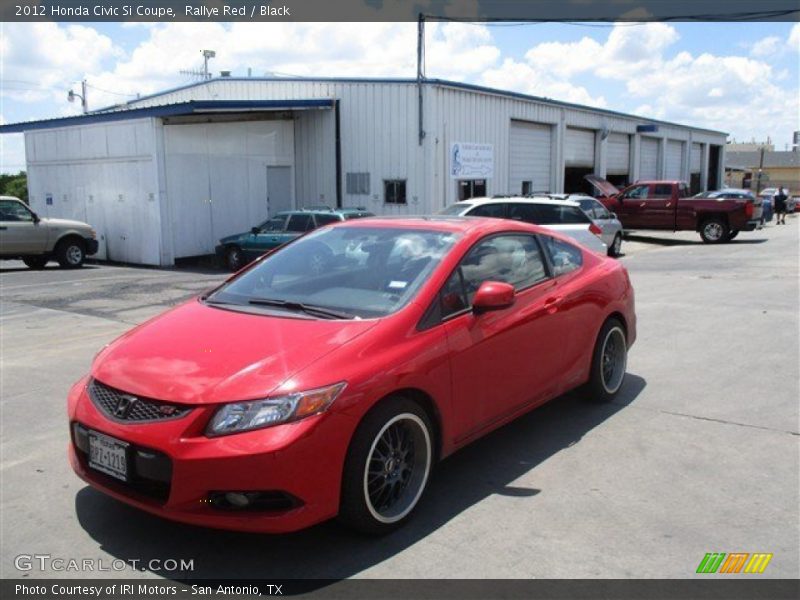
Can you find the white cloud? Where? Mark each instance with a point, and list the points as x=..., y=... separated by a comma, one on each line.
x=794, y=38
x=766, y=47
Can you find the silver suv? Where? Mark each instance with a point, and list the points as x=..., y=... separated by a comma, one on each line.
x=24, y=235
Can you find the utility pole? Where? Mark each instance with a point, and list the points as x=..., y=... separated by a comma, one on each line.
x=420, y=70
x=760, y=171
x=71, y=95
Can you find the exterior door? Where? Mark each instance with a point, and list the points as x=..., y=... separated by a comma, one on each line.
x=18, y=232
x=631, y=206
x=502, y=360
x=279, y=189
x=659, y=207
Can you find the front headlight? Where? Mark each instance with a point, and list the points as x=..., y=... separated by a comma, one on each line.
x=255, y=414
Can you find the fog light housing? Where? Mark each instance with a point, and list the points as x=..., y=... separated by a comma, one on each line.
x=274, y=501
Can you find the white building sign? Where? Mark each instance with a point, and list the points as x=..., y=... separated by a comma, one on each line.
x=471, y=161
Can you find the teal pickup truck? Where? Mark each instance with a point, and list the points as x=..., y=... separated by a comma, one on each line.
x=237, y=250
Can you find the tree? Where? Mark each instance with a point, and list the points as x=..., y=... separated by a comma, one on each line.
x=14, y=185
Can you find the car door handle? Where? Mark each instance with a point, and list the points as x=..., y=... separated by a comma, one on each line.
x=551, y=304
x=643, y=204
x=3, y=227
x=669, y=204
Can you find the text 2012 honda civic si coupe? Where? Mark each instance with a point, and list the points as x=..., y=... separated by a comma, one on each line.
x=293, y=394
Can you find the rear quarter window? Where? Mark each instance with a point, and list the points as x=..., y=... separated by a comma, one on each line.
x=564, y=257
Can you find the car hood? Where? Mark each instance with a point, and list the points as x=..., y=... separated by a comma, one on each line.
x=197, y=354
x=236, y=237
x=603, y=187
x=65, y=223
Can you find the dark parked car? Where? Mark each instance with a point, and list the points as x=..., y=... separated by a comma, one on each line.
x=239, y=249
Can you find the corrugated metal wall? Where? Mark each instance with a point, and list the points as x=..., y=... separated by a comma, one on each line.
x=105, y=175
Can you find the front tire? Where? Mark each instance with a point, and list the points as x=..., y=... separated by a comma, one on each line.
x=609, y=361
x=387, y=467
x=714, y=231
x=70, y=253
x=36, y=263
x=234, y=259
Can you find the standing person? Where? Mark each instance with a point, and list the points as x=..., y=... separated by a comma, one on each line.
x=780, y=206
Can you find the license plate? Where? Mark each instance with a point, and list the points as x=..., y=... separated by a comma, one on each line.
x=108, y=455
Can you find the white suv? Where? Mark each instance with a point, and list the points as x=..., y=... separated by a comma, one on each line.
x=563, y=216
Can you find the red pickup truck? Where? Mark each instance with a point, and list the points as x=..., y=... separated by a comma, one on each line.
x=667, y=205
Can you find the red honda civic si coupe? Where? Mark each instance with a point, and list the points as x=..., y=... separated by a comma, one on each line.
x=328, y=377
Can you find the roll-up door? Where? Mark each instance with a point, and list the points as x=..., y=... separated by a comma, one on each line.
x=674, y=160
x=696, y=164
x=529, y=157
x=579, y=148
x=618, y=152
x=649, y=162
x=217, y=178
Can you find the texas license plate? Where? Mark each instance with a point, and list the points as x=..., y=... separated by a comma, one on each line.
x=108, y=455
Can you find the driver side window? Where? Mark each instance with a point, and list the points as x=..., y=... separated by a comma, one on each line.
x=14, y=212
x=639, y=192
x=513, y=258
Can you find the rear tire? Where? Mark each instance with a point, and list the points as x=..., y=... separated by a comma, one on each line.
x=714, y=230
x=387, y=467
x=36, y=263
x=615, y=249
x=609, y=360
x=70, y=253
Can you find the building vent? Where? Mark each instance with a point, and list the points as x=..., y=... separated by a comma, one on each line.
x=358, y=184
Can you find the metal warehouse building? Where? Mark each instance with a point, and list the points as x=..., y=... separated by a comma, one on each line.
x=166, y=176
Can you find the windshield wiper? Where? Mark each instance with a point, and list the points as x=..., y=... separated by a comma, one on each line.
x=317, y=311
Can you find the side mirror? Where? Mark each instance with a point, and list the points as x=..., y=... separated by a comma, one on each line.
x=612, y=216
x=255, y=231
x=493, y=295
x=36, y=218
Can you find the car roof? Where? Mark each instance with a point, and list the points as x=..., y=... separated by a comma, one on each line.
x=11, y=198
x=521, y=200
x=447, y=223
x=322, y=211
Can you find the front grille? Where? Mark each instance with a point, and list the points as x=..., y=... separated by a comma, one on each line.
x=120, y=406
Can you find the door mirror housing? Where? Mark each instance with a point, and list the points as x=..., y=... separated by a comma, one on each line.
x=255, y=231
x=493, y=295
x=36, y=218
x=612, y=215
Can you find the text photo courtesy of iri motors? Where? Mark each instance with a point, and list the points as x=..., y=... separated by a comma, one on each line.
x=399, y=301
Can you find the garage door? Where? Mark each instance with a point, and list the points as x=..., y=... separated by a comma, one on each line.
x=217, y=178
x=673, y=168
x=696, y=163
x=529, y=157
x=579, y=148
x=648, y=168
x=618, y=152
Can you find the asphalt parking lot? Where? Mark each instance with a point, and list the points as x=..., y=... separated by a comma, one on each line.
x=698, y=454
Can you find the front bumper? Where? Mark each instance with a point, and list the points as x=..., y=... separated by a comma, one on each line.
x=91, y=246
x=176, y=472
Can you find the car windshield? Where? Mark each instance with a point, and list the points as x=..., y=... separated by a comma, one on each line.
x=455, y=209
x=341, y=272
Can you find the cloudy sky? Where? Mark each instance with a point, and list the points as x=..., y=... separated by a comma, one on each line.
x=742, y=78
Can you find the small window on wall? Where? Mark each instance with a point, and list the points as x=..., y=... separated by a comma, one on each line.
x=357, y=184
x=394, y=191
x=527, y=188
x=471, y=188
